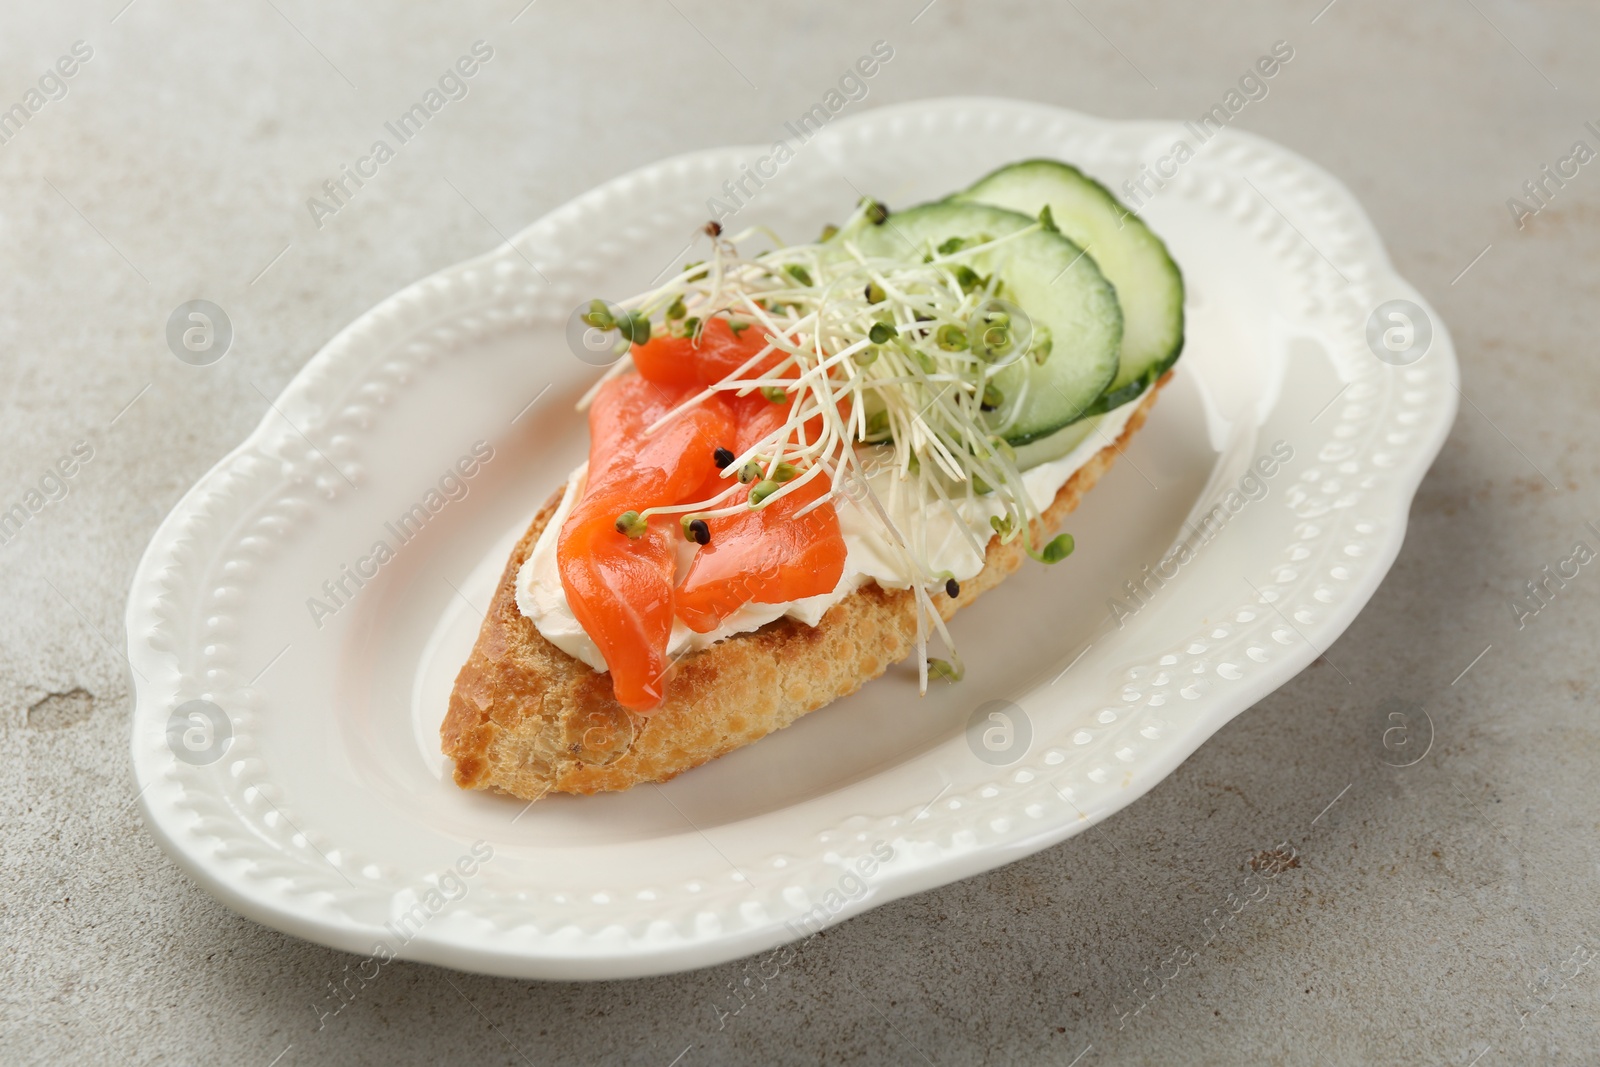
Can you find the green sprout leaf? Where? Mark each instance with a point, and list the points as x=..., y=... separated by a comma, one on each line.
x=1058, y=549
x=1039, y=350
x=951, y=338
x=634, y=327
x=969, y=279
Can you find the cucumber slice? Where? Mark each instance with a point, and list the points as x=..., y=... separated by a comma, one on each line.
x=1149, y=284
x=1047, y=276
x=1055, y=445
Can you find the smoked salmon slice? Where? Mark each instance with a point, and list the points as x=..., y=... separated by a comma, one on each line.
x=620, y=587
x=719, y=351
x=765, y=555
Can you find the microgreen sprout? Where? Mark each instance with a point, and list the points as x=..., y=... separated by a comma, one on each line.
x=633, y=326
x=695, y=529
x=952, y=672
x=1042, y=343
x=950, y=337
x=1056, y=551
x=894, y=356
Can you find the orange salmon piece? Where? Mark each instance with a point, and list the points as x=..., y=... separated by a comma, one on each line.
x=765, y=555
x=620, y=588
x=681, y=362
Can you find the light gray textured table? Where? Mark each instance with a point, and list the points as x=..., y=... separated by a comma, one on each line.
x=1441, y=913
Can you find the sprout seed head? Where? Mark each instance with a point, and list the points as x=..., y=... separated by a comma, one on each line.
x=876, y=211
x=695, y=529
x=1058, y=549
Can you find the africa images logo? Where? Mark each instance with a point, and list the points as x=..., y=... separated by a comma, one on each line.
x=342, y=588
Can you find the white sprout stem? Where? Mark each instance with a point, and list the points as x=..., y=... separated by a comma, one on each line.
x=869, y=372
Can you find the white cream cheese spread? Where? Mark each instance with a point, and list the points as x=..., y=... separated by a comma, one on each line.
x=951, y=538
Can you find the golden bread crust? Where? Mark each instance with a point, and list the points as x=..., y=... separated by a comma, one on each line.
x=525, y=718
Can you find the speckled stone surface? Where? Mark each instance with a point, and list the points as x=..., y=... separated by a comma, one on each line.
x=1441, y=913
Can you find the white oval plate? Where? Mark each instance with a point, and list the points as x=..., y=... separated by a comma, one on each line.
x=318, y=802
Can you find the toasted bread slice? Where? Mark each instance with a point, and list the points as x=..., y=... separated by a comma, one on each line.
x=526, y=718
